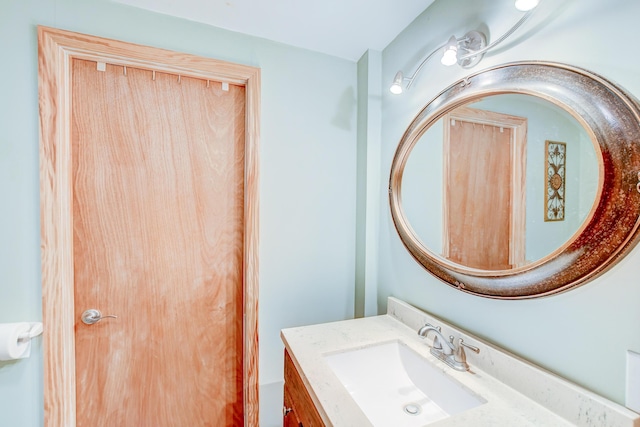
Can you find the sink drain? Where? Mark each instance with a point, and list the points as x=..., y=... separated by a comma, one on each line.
x=412, y=409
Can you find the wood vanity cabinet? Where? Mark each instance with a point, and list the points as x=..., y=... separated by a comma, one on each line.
x=299, y=410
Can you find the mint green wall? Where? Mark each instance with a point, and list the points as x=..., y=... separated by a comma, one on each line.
x=307, y=188
x=368, y=182
x=582, y=334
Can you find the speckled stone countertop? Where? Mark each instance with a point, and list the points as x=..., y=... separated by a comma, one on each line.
x=517, y=392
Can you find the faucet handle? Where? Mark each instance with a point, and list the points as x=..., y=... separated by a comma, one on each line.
x=459, y=356
x=469, y=346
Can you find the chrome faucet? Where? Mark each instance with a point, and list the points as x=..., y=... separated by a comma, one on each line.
x=437, y=340
x=451, y=354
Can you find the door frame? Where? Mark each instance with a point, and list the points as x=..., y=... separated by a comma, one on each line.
x=56, y=49
x=518, y=156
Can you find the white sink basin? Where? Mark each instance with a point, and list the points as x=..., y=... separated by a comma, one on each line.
x=395, y=386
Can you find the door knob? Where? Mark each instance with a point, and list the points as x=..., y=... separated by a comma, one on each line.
x=91, y=316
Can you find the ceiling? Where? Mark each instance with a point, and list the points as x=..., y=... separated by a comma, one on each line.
x=343, y=28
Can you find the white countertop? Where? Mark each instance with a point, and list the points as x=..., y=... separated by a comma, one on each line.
x=517, y=392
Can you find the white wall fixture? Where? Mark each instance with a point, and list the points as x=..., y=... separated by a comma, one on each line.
x=466, y=51
x=632, y=400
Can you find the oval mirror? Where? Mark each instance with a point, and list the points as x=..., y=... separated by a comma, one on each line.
x=520, y=181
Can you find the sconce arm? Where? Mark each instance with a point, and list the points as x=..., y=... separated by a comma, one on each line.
x=424, y=61
x=500, y=39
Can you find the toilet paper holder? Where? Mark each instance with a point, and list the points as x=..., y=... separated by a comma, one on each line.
x=35, y=330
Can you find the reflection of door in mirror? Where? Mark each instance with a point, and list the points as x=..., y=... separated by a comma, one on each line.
x=484, y=189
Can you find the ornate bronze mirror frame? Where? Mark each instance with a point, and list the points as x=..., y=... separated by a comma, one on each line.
x=609, y=115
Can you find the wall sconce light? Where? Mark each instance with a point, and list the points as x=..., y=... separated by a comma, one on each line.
x=466, y=51
x=450, y=55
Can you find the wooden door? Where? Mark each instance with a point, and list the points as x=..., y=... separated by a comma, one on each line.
x=484, y=182
x=148, y=206
x=158, y=232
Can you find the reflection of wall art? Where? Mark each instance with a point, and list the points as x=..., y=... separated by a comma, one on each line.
x=556, y=153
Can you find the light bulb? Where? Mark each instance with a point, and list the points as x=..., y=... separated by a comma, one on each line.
x=396, y=86
x=450, y=55
x=526, y=5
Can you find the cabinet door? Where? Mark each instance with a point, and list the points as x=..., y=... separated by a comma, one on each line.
x=290, y=418
x=297, y=398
